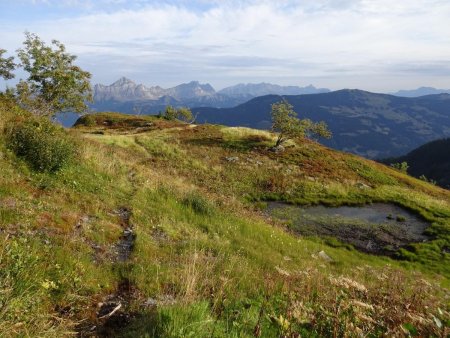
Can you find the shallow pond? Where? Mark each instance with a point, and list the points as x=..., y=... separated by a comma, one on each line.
x=378, y=228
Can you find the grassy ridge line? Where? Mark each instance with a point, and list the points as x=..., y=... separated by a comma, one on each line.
x=219, y=262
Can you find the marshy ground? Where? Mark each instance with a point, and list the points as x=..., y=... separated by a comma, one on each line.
x=377, y=228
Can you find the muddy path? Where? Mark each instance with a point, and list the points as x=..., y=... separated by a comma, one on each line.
x=113, y=314
x=378, y=228
x=125, y=245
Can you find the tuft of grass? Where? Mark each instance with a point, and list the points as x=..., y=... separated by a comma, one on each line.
x=198, y=203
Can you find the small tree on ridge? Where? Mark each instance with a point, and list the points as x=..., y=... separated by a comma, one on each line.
x=286, y=123
x=183, y=113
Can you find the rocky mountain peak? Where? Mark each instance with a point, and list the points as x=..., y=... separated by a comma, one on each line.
x=123, y=81
x=125, y=89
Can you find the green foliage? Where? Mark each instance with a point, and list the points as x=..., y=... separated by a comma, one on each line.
x=183, y=321
x=285, y=122
x=54, y=83
x=183, y=114
x=89, y=120
x=198, y=203
x=28, y=283
x=412, y=331
x=320, y=129
x=403, y=167
x=42, y=144
x=170, y=113
x=7, y=66
x=287, y=125
x=425, y=179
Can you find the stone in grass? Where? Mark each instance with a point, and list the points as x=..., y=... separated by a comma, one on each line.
x=232, y=159
x=282, y=272
x=324, y=256
x=361, y=185
x=161, y=300
x=277, y=149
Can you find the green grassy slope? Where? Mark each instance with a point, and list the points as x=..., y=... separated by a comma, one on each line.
x=206, y=260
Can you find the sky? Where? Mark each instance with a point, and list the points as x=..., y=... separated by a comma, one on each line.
x=376, y=45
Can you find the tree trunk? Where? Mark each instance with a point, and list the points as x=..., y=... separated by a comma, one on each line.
x=280, y=140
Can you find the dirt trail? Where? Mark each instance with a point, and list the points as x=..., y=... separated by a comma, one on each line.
x=126, y=243
x=112, y=314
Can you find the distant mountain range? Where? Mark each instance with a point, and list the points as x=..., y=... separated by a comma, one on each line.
x=251, y=90
x=128, y=97
x=431, y=160
x=422, y=91
x=126, y=90
x=363, y=123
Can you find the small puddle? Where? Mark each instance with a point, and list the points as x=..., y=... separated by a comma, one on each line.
x=378, y=228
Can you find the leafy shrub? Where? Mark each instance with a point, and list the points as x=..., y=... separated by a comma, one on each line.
x=42, y=144
x=89, y=120
x=403, y=167
x=425, y=179
x=170, y=113
x=183, y=114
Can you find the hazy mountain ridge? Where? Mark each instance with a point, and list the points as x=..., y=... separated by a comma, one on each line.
x=363, y=123
x=261, y=89
x=421, y=91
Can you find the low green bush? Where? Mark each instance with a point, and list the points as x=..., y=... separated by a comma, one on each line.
x=42, y=144
x=403, y=167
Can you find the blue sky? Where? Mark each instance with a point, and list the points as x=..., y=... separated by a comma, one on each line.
x=378, y=45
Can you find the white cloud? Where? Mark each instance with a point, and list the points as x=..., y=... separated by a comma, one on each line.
x=375, y=44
